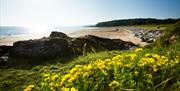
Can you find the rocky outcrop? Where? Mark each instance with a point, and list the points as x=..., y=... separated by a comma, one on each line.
x=41, y=48
x=59, y=44
x=89, y=41
x=148, y=35
x=55, y=34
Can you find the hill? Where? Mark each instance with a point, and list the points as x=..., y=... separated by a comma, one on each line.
x=138, y=21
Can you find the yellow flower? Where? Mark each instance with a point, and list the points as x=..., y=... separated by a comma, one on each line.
x=138, y=49
x=89, y=67
x=114, y=84
x=136, y=73
x=100, y=65
x=150, y=60
x=46, y=75
x=47, y=78
x=51, y=84
x=155, y=69
x=64, y=89
x=156, y=56
x=73, y=89
x=52, y=89
x=118, y=57
x=29, y=88
x=53, y=77
x=133, y=56
x=64, y=78
x=148, y=54
x=72, y=78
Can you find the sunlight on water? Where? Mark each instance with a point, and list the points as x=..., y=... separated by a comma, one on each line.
x=38, y=29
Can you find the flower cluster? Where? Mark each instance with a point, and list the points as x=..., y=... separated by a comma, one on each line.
x=50, y=81
x=129, y=70
x=115, y=71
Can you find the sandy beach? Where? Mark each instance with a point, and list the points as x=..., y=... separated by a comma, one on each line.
x=123, y=33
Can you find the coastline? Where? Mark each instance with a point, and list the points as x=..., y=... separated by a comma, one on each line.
x=123, y=33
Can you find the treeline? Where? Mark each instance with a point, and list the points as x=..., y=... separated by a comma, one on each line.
x=140, y=21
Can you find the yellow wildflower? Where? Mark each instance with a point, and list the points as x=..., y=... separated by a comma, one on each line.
x=136, y=73
x=114, y=84
x=89, y=67
x=52, y=89
x=150, y=60
x=64, y=89
x=51, y=84
x=29, y=88
x=46, y=75
x=118, y=57
x=138, y=49
x=148, y=54
x=73, y=89
x=155, y=69
x=64, y=78
x=133, y=56
x=156, y=56
x=100, y=65
x=53, y=77
x=72, y=78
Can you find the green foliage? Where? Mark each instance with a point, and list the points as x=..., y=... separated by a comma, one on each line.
x=140, y=21
x=171, y=37
x=154, y=26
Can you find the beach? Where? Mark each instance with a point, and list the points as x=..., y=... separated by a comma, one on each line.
x=123, y=33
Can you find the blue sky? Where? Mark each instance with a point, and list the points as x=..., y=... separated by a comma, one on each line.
x=33, y=13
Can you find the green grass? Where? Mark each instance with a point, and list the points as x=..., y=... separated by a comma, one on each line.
x=154, y=27
x=16, y=78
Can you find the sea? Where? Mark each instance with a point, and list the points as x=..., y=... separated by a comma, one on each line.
x=11, y=34
x=7, y=31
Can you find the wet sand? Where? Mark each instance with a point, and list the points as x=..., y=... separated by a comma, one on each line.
x=123, y=33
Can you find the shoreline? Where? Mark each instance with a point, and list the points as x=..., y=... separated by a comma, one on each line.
x=123, y=33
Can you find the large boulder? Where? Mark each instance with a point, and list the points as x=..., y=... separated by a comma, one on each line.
x=90, y=41
x=41, y=48
x=54, y=46
x=56, y=34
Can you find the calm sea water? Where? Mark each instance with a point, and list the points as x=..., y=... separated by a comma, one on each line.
x=10, y=31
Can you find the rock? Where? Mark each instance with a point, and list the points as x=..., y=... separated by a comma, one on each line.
x=148, y=35
x=98, y=43
x=54, y=46
x=41, y=48
x=55, y=34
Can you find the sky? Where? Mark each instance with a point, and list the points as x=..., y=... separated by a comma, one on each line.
x=45, y=13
